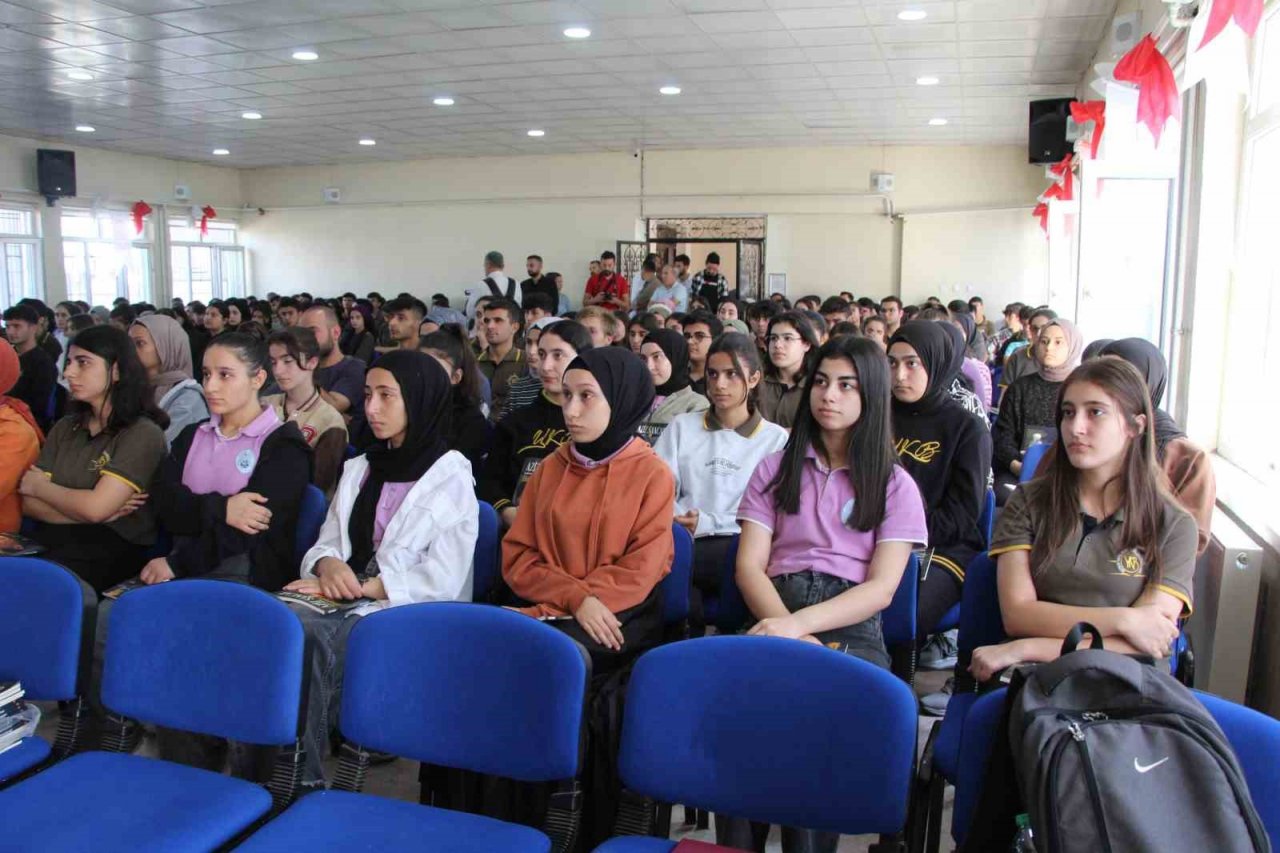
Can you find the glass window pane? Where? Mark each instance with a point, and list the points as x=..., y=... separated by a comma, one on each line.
x=139, y=281
x=17, y=221
x=108, y=273
x=21, y=279
x=201, y=273
x=1269, y=66
x=79, y=225
x=181, y=231
x=77, y=274
x=231, y=265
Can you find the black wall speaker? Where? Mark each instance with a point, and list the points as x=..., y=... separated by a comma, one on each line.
x=55, y=172
x=1047, y=131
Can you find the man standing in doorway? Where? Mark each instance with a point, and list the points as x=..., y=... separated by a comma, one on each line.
x=537, y=282
x=709, y=284
x=339, y=378
x=496, y=283
x=607, y=288
x=683, y=276
x=648, y=283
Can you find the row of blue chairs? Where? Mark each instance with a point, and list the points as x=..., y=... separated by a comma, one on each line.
x=227, y=660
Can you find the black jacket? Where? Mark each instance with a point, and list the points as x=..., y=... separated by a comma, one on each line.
x=202, y=538
x=522, y=440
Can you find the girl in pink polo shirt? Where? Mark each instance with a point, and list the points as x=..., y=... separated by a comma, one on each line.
x=828, y=524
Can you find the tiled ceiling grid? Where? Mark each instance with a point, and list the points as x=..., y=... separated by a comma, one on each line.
x=174, y=77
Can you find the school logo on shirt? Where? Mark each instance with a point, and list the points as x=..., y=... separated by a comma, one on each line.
x=921, y=451
x=244, y=461
x=1131, y=564
x=101, y=462
x=846, y=512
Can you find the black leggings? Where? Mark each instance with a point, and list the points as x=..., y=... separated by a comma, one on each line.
x=709, y=554
x=939, y=591
x=95, y=552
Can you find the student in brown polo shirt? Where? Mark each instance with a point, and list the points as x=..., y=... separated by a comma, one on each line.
x=1096, y=537
x=502, y=362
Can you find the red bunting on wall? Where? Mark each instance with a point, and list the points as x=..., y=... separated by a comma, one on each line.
x=1096, y=112
x=140, y=210
x=1246, y=13
x=207, y=213
x=1158, y=98
x=1063, y=171
x=1041, y=212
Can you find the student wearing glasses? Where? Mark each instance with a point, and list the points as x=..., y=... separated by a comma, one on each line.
x=793, y=348
x=700, y=329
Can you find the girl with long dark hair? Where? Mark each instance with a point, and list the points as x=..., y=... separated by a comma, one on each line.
x=1095, y=537
x=467, y=430
x=792, y=346
x=363, y=332
x=88, y=490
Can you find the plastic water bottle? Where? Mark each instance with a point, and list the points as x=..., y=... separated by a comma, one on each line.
x=1023, y=841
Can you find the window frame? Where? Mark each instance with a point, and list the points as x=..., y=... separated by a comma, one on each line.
x=35, y=240
x=218, y=288
x=146, y=242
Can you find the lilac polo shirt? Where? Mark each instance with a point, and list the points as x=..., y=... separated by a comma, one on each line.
x=817, y=537
x=389, y=500
x=224, y=465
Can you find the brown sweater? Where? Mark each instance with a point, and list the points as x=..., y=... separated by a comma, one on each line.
x=603, y=531
x=1191, y=477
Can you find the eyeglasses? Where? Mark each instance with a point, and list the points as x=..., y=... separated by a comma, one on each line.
x=782, y=339
x=696, y=336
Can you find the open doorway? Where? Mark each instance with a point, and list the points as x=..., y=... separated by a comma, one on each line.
x=739, y=241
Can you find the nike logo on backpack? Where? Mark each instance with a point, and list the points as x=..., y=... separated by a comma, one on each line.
x=1148, y=768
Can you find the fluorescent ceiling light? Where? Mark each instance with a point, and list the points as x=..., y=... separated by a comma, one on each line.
x=79, y=75
x=912, y=15
x=443, y=102
x=251, y=116
x=577, y=32
x=221, y=152
x=536, y=132
x=305, y=55
x=927, y=81
x=937, y=122
x=368, y=142
x=85, y=128
x=670, y=90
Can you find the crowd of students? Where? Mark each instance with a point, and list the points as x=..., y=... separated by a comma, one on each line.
x=833, y=436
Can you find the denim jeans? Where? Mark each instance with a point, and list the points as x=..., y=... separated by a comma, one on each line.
x=327, y=641
x=864, y=640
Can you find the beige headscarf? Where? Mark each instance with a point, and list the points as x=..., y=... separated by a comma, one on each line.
x=174, y=348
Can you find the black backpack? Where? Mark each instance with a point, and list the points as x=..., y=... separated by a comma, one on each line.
x=1110, y=754
x=511, y=288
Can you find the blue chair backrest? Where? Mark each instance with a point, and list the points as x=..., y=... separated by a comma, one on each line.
x=487, y=563
x=981, y=623
x=350, y=453
x=987, y=521
x=837, y=734
x=41, y=624
x=675, y=586
x=977, y=735
x=898, y=621
x=310, y=518
x=205, y=656
x=1255, y=738
x=1031, y=460
x=466, y=686
x=732, y=612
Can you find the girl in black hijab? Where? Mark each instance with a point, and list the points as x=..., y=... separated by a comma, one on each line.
x=402, y=528
x=666, y=355
x=946, y=451
x=1185, y=464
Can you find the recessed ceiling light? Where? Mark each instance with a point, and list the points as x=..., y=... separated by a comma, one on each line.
x=537, y=133
x=251, y=116
x=926, y=81
x=85, y=128
x=220, y=152
x=577, y=32
x=912, y=15
x=670, y=90
x=443, y=102
x=937, y=122
x=79, y=75
x=305, y=55
x=368, y=142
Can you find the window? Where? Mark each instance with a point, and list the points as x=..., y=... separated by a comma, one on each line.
x=1254, y=339
x=205, y=266
x=20, y=276
x=105, y=258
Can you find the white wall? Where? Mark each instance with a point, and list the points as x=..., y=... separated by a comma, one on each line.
x=424, y=226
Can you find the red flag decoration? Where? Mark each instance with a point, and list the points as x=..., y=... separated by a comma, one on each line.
x=207, y=212
x=140, y=211
x=1041, y=212
x=1063, y=171
x=1246, y=13
x=1096, y=112
x=1158, y=98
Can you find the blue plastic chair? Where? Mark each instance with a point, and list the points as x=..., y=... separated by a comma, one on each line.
x=676, y=585
x=310, y=518
x=730, y=612
x=208, y=657
x=43, y=617
x=1031, y=460
x=350, y=453
x=971, y=761
x=981, y=624
x=704, y=716
x=898, y=622
x=951, y=619
x=506, y=699
x=487, y=562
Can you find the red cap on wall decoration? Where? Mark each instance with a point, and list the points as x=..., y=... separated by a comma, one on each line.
x=1042, y=213
x=206, y=213
x=1158, y=98
x=140, y=211
x=1096, y=112
x=1247, y=15
x=1063, y=170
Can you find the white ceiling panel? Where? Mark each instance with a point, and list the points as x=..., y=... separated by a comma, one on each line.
x=173, y=76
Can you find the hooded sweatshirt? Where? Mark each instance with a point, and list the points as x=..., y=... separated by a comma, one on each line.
x=20, y=441
x=521, y=440
x=944, y=449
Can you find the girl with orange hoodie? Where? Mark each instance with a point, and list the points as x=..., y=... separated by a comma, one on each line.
x=593, y=537
x=20, y=441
